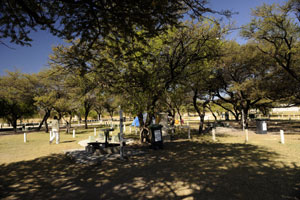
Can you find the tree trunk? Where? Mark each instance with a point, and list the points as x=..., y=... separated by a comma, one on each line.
x=85, y=121
x=46, y=116
x=99, y=116
x=111, y=114
x=246, y=110
x=172, y=113
x=201, y=125
x=180, y=117
x=69, y=124
x=46, y=126
x=212, y=113
x=201, y=116
x=14, y=124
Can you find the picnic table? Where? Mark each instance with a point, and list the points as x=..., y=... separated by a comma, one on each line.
x=92, y=146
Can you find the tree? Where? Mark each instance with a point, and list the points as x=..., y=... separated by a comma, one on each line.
x=111, y=103
x=277, y=36
x=174, y=100
x=199, y=75
x=45, y=94
x=16, y=98
x=241, y=78
x=91, y=20
x=99, y=104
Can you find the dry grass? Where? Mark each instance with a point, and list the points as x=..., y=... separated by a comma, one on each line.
x=185, y=169
x=13, y=148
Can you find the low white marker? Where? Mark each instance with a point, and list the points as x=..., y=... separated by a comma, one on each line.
x=282, y=136
x=25, y=137
x=214, y=134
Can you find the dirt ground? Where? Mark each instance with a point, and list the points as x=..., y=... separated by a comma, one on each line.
x=184, y=169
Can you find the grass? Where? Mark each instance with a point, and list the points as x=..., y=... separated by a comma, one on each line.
x=288, y=153
x=13, y=148
x=186, y=169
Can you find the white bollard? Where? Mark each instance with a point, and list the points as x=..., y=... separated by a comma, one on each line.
x=73, y=133
x=246, y=131
x=189, y=132
x=213, y=134
x=95, y=131
x=25, y=137
x=282, y=136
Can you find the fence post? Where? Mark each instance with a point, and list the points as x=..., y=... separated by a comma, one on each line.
x=282, y=136
x=25, y=137
x=213, y=134
x=246, y=131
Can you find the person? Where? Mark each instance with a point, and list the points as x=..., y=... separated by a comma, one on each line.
x=55, y=130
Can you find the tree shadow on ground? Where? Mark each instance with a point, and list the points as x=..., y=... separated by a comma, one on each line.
x=191, y=170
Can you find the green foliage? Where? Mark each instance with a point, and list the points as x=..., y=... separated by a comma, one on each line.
x=277, y=35
x=16, y=97
x=90, y=20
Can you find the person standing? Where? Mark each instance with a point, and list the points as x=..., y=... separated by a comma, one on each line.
x=55, y=130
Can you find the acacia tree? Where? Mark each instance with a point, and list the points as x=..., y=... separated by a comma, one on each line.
x=45, y=94
x=16, y=97
x=241, y=78
x=91, y=20
x=174, y=99
x=145, y=74
x=277, y=36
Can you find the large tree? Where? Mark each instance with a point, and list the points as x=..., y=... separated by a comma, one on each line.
x=241, y=77
x=16, y=98
x=277, y=36
x=91, y=20
x=45, y=94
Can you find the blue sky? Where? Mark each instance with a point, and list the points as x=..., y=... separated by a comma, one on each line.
x=35, y=58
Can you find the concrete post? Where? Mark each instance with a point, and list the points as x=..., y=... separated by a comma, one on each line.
x=281, y=136
x=214, y=134
x=25, y=137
